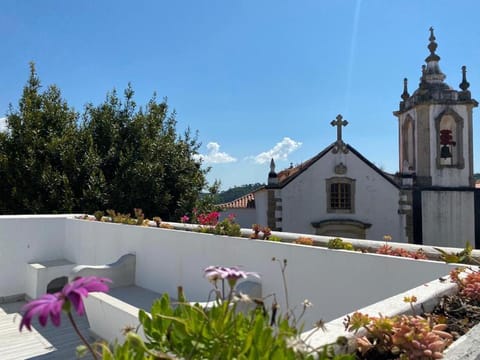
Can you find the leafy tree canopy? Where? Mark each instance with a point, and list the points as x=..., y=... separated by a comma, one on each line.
x=115, y=155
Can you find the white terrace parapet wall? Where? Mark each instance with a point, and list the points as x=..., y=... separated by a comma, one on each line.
x=335, y=281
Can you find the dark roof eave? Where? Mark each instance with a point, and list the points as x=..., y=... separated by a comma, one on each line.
x=323, y=153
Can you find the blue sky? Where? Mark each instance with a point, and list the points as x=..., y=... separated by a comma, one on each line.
x=256, y=78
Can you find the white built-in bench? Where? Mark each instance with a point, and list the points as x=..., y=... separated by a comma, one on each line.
x=41, y=273
x=120, y=272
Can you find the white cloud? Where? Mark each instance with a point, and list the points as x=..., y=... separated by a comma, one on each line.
x=214, y=155
x=279, y=152
x=3, y=124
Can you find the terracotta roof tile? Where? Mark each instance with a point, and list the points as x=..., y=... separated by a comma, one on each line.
x=244, y=202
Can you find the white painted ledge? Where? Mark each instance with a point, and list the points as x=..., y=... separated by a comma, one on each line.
x=427, y=295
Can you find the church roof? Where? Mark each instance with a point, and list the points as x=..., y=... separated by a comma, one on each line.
x=287, y=175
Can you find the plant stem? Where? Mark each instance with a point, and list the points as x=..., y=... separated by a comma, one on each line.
x=283, y=267
x=75, y=327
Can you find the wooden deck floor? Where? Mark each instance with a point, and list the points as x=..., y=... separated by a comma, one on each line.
x=42, y=343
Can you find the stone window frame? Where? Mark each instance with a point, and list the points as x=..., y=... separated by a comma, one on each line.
x=340, y=180
x=405, y=142
x=459, y=123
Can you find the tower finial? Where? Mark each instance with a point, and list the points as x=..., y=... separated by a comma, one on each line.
x=464, y=85
x=432, y=73
x=405, y=95
x=272, y=166
x=272, y=175
x=432, y=46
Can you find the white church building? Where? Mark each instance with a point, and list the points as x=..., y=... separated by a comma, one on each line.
x=430, y=200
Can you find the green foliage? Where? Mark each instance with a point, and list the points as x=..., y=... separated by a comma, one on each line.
x=186, y=331
x=227, y=227
x=236, y=192
x=338, y=243
x=274, y=238
x=207, y=202
x=41, y=154
x=119, y=218
x=462, y=257
x=98, y=215
x=141, y=158
x=117, y=156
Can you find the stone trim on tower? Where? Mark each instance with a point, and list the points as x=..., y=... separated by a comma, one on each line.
x=449, y=120
x=408, y=153
x=274, y=210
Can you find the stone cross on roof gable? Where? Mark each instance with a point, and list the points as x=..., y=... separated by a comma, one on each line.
x=339, y=123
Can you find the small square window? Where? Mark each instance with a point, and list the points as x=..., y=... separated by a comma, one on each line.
x=340, y=195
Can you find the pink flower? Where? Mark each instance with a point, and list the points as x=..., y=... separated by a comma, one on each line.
x=184, y=219
x=47, y=305
x=53, y=304
x=208, y=219
x=214, y=273
x=80, y=288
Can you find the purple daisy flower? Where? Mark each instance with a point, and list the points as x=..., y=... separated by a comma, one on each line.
x=214, y=273
x=80, y=288
x=45, y=306
x=52, y=304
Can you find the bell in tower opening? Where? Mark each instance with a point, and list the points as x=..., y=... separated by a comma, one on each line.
x=446, y=141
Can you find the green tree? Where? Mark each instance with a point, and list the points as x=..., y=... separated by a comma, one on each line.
x=116, y=157
x=38, y=163
x=142, y=161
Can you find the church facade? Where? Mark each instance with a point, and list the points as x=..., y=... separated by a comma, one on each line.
x=430, y=200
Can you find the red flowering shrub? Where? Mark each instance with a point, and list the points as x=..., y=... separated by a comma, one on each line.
x=210, y=219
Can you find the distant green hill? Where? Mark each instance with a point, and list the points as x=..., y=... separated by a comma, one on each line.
x=236, y=192
x=476, y=176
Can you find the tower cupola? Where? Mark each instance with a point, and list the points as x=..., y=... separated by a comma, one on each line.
x=435, y=125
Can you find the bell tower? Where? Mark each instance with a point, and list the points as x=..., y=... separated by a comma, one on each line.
x=437, y=194
x=435, y=128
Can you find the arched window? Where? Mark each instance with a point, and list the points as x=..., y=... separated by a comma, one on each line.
x=449, y=126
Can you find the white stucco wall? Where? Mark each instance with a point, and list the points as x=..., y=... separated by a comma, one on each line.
x=168, y=258
x=448, y=218
x=304, y=200
x=108, y=317
x=26, y=239
x=261, y=207
x=244, y=217
x=335, y=281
